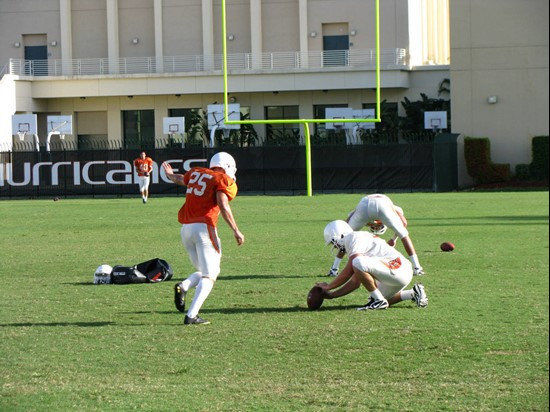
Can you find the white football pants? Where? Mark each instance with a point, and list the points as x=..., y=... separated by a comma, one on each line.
x=204, y=248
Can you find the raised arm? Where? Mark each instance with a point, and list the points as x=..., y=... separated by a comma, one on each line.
x=174, y=177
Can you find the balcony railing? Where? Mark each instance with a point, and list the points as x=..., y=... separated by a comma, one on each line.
x=277, y=61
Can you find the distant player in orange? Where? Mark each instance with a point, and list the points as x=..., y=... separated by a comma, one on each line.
x=144, y=167
x=209, y=191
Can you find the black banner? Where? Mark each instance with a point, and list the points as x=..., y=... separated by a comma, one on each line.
x=264, y=170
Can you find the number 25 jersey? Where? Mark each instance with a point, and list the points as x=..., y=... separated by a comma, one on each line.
x=200, y=204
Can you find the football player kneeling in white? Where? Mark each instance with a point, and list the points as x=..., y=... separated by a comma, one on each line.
x=380, y=268
x=209, y=191
x=378, y=211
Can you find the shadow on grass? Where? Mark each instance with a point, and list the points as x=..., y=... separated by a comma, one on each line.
x=79, y=324
x=275, y=310
x=246, y=277
x=259, y=309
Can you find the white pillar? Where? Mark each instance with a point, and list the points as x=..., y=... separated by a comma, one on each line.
x=304, y=39
x=443, y=29
x=256, y=33
x=112, y=35
x=66, y=37
x=159, y=53
x=208, y=34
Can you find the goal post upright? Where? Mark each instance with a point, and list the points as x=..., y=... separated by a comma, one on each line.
x=305, y=122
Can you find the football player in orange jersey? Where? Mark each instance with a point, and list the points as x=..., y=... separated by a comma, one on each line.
x=144, y=167
x=209, y=191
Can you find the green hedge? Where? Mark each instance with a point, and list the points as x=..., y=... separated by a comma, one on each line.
x=538, y=168
x=477, y=152
x=523, y=172
x=539, y=165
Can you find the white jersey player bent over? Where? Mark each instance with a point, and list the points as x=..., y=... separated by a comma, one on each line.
x=380, y=268
x=378, y=212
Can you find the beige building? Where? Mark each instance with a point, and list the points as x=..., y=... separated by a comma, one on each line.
x=499, y=75
x=110, y=63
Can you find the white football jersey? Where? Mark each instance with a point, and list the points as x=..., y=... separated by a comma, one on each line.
x=378, y=207
x=370, y=245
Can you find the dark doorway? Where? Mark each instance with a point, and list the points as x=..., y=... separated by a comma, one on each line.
x=335, y=50
x=138, y=129
x=36, y=60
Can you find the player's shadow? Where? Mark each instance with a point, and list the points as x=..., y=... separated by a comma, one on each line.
x=236, y=310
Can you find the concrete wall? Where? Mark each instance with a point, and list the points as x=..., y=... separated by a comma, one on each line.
x=182, y=31
x=500, y=48
x=28, y=17
x=182, y=28
x=89, y=29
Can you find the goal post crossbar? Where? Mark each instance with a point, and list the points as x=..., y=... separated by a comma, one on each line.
x=304, y=122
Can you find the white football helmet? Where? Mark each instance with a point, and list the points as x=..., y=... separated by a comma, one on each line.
x=226, y=162
x=334, y=234
x=102, y=274
x=377, y=227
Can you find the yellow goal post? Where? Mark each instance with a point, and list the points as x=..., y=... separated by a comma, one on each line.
x=304, y=122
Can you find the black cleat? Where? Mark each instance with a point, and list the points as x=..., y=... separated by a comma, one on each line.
x=195, y=321
x=179, y=297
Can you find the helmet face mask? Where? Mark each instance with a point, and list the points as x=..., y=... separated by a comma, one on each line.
x=337, y=248
x=334, y=234
x=377, y=227
x=102, y=275
x=226, y=162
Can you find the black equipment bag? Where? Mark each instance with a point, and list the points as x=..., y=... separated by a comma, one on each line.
x=155, y=270
x=152, y=271
x=123, y=275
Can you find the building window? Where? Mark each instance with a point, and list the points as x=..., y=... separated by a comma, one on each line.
x=138, y=128
x=282, y=133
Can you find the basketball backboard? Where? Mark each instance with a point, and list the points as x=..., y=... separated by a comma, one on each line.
x=60, y=125
x=23, y=124
x=338, y=113
x=216, y=116
x=363, y=114
x=435, y=120
x=173, y=125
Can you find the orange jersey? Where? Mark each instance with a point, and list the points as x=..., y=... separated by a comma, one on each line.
x=143, y=166
x=200, y=204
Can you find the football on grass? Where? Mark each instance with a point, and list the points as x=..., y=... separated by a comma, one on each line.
x=447, y=247
x=315, y=298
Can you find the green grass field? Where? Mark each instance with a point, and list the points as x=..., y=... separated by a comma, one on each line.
x=69, y=345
